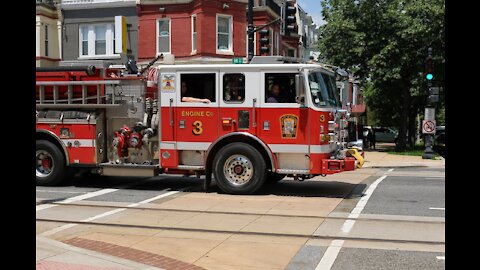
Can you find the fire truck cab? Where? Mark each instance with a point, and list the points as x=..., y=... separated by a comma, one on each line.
x=244, y=123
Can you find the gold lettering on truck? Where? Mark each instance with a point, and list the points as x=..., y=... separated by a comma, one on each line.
x=197, y=113
x=197, y=128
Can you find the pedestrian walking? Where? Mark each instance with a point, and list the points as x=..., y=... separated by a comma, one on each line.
x=371, y=139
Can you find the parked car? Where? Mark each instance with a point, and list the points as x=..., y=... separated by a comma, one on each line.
x=439, y=141
x=385, y=134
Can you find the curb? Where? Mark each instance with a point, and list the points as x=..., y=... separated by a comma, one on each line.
x=397, y=167
x=98, y=255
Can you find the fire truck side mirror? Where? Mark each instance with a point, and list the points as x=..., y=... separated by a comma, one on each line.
x=299, y=89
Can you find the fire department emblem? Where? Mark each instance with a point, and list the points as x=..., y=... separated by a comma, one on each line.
x=288, y=125
x=168, y=82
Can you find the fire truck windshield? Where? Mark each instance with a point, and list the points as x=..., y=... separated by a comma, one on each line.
x=323, y=89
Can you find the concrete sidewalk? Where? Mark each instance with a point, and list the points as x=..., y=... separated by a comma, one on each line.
x=54, y=255
x=375, y=159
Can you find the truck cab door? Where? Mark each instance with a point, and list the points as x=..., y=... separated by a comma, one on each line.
x=239, y=102
x=283, y=123
x=195, y=122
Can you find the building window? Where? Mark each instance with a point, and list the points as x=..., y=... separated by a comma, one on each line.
x=234, y=88
x=100, y=40
x=163, y=36
x=96, y=40
x=194, y=33
x=84, y=40
x=46, y=40
x=291, y=52
x=224, y=33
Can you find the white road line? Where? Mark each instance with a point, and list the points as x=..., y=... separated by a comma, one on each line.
x=58, y=229
x=88, y=195
x=440, y=257
x=155, y=198
x=56, y=191
x=103, y=214
x=333, y=249
x=391, y=170
x=348, y=224
x=437, y=208
x=330, y=255
x=70, y=225
x=44, y=206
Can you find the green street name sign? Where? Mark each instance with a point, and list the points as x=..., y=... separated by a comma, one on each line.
x=237, y=60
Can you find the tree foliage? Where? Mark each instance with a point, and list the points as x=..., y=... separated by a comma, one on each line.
x=384, y=42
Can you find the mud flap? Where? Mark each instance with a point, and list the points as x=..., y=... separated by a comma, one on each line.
x=208, y=180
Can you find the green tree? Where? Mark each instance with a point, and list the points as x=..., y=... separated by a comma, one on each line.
x=385, y=43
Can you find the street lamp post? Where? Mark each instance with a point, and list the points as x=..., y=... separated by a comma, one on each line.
x=428, y=125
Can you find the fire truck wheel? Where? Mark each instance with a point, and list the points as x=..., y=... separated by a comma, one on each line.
x=239, y=169
x=50, y=164
x=275, y=177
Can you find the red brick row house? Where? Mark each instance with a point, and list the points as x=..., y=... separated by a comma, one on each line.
x=199, y=30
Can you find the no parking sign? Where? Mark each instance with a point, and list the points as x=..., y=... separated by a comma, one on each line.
x=428, y=126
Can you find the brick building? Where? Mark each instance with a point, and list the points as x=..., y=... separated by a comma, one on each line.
x=265, y=11
x=192, y=30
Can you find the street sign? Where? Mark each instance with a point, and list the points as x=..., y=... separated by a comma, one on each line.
x=237, y=60
x=429, y=113
x=428, y=126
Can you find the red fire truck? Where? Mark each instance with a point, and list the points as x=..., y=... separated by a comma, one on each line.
x=244, y=123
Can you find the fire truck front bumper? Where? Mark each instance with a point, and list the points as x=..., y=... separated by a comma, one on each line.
x=353, y=160
x=331, y=166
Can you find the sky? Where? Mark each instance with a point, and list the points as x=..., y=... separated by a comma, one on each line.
x=313, y=8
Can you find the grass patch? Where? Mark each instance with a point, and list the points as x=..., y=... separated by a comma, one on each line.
x=417, y=150
x=410, y=153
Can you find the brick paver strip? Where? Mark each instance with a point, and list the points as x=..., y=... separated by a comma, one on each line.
x=131, y=254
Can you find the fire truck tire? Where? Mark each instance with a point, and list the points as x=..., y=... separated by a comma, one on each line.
x=50, y=164
x=239, y=169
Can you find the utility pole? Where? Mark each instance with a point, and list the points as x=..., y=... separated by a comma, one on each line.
x=250, y=30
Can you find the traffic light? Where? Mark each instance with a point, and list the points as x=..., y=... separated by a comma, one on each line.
x=290, y=21
x=429, y=65
x=264, y=41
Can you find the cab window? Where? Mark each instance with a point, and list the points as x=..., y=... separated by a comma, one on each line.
x=201, y=86
x=234, y=88
x=280, y=87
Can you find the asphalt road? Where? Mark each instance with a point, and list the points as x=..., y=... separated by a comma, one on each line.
x=409, y=196
x=414, y=194
x=367, y=219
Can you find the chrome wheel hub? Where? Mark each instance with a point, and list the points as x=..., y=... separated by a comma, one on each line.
x=44, y=163
x=238, y=170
